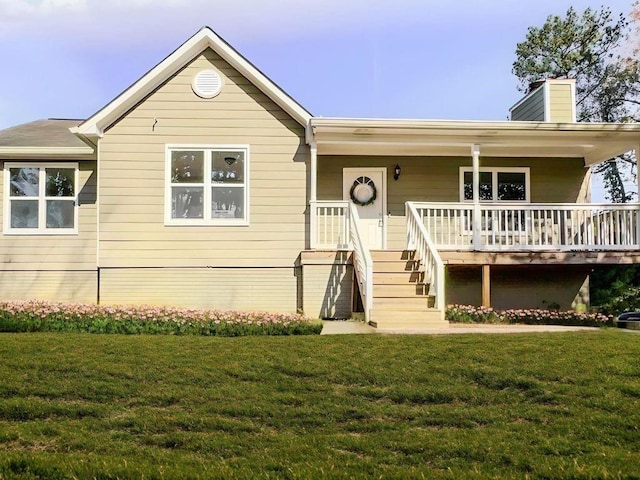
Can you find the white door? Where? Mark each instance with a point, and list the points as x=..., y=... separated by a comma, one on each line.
x=367, y=189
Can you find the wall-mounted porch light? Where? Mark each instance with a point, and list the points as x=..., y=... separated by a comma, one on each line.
x=396, y=172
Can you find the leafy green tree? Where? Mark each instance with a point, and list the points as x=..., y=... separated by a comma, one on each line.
x=599, y=50
x=589, y=48
x=614, y=288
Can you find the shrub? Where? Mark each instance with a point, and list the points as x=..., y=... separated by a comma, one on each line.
x=39, y=316
x=471, y=314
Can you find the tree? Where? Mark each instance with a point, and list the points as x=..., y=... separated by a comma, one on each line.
x=589, y=48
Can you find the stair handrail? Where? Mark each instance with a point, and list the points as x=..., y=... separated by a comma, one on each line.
x=431, y=264
x=362, y=261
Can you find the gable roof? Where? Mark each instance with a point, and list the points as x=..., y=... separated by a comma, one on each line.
x=43, y=138
x=203, y=39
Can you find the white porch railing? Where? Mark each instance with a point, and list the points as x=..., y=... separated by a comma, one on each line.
x=431, y=265
x=533, y=226
x=329, y=225
x=362, y=262
x=334, y=225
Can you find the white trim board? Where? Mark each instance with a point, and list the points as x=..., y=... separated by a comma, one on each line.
x=494, y=183
x=206, y=221
x=41, y=199
x=203, y=39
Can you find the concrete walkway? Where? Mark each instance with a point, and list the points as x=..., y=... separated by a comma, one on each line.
x=339, y=327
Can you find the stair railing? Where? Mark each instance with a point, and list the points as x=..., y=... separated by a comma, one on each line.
x=362, y=262
x=431, y=265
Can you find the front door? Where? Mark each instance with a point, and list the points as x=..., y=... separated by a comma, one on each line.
x=367, y=189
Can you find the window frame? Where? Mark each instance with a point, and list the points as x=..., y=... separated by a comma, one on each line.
x=206, y=219
x=42, y=199
x=494, y=183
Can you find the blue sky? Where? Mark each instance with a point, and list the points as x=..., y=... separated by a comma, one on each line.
x=356, y=58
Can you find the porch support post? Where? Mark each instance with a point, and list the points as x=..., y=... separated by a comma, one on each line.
x=486, y=285
x=477, y=225
x=313, y=176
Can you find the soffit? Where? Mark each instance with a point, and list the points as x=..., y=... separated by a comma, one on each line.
x=593, y=142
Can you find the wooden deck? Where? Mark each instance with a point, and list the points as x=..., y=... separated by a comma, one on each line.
x=540, y=258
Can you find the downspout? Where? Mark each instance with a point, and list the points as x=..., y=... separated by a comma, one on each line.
x=98, y=163
x=313, y=177
x=477, y=225
x=94, y=142
x=313, y=185
x=313, y=164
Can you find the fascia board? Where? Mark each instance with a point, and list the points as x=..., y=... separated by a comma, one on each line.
x=525, y=98
x=96, y=125
x=260, y=80
x=46, y=152
x=329, y=123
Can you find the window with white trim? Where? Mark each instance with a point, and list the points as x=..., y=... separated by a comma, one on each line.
x=207, y=185
x=40, y=198
x=497, y=184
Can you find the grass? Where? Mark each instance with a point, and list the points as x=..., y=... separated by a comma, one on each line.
x=562, y=405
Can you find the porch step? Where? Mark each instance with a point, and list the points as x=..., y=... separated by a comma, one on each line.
x=389, y=266
x=395, y=278
x=392, y=255
x=412, y=319
x=404, y=302
x=401, y=290
x=401, y=299
x=393, y=261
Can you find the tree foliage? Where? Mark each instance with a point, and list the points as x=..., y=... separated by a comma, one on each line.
x=599, y=50
x=588, y=47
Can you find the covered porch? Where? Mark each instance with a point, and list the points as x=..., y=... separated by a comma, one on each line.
x=449, y=191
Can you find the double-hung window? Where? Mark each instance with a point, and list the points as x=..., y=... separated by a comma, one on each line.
x=40, y=198
x=207, y=185
x=497, y=184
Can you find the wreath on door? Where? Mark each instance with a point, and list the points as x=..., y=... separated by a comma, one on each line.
x=363, y=191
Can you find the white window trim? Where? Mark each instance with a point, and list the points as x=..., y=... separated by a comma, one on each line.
x=43, y=230
x=199, y=222
x=494, y=181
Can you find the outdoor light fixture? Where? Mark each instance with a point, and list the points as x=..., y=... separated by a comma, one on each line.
x=396, y=172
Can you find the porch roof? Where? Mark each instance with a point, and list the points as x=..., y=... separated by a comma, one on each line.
x=594, y=142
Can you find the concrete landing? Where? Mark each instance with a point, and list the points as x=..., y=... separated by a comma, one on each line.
x=337, y=327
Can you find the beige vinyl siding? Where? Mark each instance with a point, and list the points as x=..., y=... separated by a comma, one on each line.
x=327, y=284
x=52, y=285
x=560, y=102
x=132, y=179
x=531, y=109
x=249, y=289
x=434, y=179
x=57, y=252
x=528, y=286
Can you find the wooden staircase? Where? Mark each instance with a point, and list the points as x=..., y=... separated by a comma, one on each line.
x=401, y=299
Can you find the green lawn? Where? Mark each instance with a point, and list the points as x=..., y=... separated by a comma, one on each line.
x=562, y=405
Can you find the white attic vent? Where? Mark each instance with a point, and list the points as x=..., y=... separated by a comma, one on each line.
x=207, y=83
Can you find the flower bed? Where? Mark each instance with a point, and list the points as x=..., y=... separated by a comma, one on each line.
x=38, y=316
x=471, y=314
